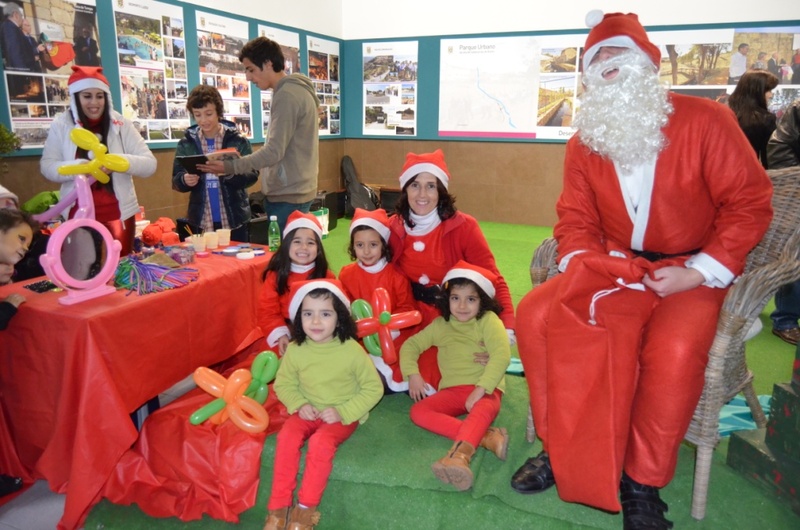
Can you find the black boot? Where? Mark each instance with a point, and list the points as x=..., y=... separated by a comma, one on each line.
x=642, y=507
x=535, y=475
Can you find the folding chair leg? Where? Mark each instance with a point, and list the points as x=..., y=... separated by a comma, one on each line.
x=755, y=407
x=530, y=430
x=702, y=471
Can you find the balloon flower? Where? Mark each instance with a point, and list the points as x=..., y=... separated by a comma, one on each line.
x=263, y=370
x=101, y=158
x=245, y=412
x=377, y=330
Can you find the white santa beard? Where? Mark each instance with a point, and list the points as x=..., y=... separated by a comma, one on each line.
x=621, y=118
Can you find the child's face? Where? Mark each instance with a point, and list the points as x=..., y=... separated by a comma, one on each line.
x=464, y=302
x=14, y=243
x=318, y=318
x=303, y=247
x=368, y=246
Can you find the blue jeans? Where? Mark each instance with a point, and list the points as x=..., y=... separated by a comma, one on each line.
x=284, y=209
x=787, y=307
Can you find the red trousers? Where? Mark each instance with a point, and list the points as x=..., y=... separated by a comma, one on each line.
x=439, y=413
x=667, y=379
x=323, y=440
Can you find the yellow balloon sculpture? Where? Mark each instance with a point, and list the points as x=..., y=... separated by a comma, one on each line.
x=87, y=140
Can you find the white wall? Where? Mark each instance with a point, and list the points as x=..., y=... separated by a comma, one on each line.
x=319, y=16
x=368, y=19
x=379, y=19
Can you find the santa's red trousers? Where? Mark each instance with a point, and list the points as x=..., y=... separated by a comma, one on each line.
x=323, y=440
x=439, y=413
x=659, y=382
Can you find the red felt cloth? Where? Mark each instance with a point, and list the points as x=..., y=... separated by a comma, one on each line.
x=70, y=375
x=177, y=469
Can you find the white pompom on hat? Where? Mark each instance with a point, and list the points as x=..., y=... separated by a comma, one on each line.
x=376, y=219
x=83, y=78
x=301, y=289
x=432, y=163
x=298, y=219
x=485, y=279
x=617, y=29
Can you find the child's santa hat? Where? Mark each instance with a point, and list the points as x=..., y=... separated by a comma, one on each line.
x=5, y=193
x=485, y=279
x=298, y=219
x=301, y=289
x=433, y=163
x=376, y=219
x=617, y=29
x=83, y=78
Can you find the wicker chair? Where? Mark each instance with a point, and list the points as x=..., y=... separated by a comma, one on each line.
x=772, y=263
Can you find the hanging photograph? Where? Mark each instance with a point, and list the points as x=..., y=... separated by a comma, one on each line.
x=41, y=40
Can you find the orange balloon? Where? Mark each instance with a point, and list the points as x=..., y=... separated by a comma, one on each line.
x=248, y=415
x=209, y=380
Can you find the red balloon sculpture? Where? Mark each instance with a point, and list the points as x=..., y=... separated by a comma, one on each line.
x=377, y=330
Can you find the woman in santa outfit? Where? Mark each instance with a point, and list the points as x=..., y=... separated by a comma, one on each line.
x=115, y=203
x=429, y=236
x=369, y=246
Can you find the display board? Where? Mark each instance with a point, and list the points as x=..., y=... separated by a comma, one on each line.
x=502, y=87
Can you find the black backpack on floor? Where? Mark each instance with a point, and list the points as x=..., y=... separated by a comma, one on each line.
x=357, y=195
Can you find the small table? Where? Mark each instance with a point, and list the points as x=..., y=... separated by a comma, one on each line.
x=71, y=375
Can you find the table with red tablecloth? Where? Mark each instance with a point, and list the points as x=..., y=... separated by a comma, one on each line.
x=71, y=375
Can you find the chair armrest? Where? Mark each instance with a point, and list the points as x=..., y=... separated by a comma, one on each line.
x=543, y=263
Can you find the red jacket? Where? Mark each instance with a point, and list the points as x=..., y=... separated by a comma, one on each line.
x=462, y=239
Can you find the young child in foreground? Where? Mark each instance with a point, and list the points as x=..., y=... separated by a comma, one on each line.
x=16, y=234
x=300, y=257
x=369, y=245
x=328, y=385
x=469, y=323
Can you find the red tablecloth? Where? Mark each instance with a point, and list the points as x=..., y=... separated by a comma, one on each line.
x=70, y=375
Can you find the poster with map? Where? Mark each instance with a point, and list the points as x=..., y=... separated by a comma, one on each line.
x=390, y=88
x=488, y=87
x=219, y=41
x=289, y=42
x=151, y=51
x=323, y=69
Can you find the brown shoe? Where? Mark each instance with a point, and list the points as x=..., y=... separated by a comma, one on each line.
x=453, y=468
x=303, y=518
x=277, y=519
x=496, y=441
x=791, y=335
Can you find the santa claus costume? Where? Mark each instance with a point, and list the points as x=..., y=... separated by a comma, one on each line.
x=614, y=357
x=360, y=280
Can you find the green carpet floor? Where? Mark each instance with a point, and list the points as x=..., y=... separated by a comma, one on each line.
x=382, y=478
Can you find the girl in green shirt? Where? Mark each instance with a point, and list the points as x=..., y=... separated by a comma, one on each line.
x=471, y=385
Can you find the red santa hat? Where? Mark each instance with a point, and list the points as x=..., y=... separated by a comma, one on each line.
x=376, y=219
x=433, y=163
x=83, y=78
x=485, y=279
x=617, y=29
x=301, y=289
x=298, y=219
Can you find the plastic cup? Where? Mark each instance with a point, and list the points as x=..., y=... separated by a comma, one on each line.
x=198, y=242
x=212, y=240
x=224, y=236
